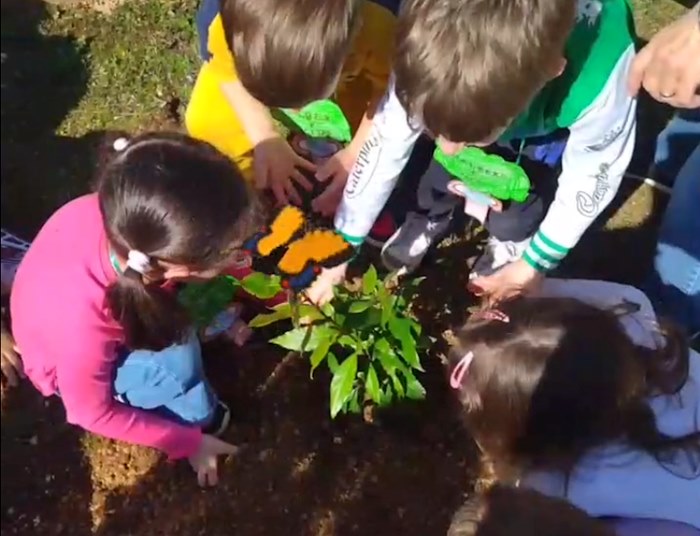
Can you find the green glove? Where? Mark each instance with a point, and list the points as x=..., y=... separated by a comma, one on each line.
x=487, y=174
x=320, y=119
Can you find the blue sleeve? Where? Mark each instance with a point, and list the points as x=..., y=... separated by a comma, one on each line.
x=206, y=14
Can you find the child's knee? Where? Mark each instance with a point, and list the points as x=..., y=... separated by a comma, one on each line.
x=517, y=221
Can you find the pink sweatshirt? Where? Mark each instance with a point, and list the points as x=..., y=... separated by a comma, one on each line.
x=68, y=337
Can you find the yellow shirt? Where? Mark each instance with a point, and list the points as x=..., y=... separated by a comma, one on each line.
x=366, y=71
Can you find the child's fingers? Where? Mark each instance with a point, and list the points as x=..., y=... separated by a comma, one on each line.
x=278, y=190
x=224, y=448
x=303, y=163
x=213, y=474
x=202, y=478
x=326, y=171
x=301, y=180
x=475, y=288
x=291, y=194
x=327, y=203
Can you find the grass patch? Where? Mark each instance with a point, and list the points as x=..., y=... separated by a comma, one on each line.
x=69, y=73
x=143, y=58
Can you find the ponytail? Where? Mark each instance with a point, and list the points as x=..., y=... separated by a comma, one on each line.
x=151, y=316
x=167, y=198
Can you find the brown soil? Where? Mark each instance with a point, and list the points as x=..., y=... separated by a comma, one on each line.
x=297, y=473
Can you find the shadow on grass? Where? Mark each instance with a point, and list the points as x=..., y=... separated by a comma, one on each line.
x=46, y=485
x=43, y=78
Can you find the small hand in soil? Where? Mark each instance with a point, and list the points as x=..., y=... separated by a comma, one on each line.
x=205, y=460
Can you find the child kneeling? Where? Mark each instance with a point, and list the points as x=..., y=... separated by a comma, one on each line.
x=94, y=307
x=576, y=394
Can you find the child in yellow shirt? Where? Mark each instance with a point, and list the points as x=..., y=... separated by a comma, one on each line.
x=287, y=53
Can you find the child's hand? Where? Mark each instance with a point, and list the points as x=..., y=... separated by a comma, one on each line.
x=336, y=169
x=511, y=280
x=321, y=291
x=10, y=360
x=205, y=462
x=276, y=165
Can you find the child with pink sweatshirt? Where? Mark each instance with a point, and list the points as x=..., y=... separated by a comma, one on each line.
x=93, y=306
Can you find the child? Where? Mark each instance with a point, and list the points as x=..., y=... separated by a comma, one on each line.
x=520, y=73
x=93, y=305
x=261, y=54
x=507, y=511
x=584, y=400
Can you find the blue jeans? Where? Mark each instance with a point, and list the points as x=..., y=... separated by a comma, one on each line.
x=674, y=285
x=170, y=382
x=675, y=143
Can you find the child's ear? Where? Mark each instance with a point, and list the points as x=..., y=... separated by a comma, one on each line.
x=176, y=271
x=559, y=67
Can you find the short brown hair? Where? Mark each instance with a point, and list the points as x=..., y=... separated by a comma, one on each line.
x=289, y=52
x=506, y=511
x=466, y=68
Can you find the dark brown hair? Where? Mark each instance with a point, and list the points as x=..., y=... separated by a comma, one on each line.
x=289, y=52
x=562, y=377
x=507, y=511
x=466, y=68
x=178, y=200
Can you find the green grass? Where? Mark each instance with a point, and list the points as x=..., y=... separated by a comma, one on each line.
x=70, y=73
x=143, y=60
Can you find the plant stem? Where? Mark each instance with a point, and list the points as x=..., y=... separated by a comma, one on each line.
x=341, y=329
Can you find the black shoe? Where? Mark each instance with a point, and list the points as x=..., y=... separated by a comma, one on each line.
x=220, y=422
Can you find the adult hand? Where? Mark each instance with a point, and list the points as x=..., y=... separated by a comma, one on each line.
x=336, y=170
x=321, y=291
x=205, y=460
x=276, y=166
x=669, y=65
x=10, y=360
x=509, y=281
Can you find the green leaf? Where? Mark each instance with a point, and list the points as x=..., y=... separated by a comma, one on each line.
x=262, y=320
x=387, y=309
x=332, y=362
x=353, y=404
x=401, y=329
x=339, y=319
x=372, y=385
x=359, y=306
x=369, y=280
x=414, y=388
x=391, y=364
x=387, y=396
x=364, y=320
x=262, y=286
x=417, y=328
x=348, y=342
x=319, y=353
x=342, y=383
x=305, y=338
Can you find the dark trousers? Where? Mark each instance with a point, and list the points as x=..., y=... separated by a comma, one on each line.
x=517, y=221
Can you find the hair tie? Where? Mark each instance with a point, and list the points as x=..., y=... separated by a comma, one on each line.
x=120, y=144
x=460, y=370
x=138, y=262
